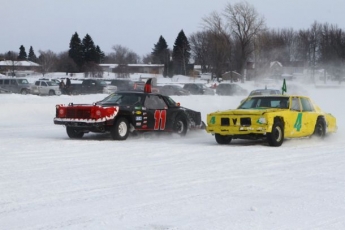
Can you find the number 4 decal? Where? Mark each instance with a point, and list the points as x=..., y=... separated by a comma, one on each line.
x=213, y=120
x=160, y=118
x=298, y=122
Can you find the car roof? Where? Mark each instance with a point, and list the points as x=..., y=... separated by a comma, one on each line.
x=266, y=91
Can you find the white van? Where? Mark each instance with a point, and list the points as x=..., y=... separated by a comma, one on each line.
x=15, y=85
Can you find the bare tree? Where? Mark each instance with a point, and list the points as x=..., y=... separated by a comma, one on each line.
x=199, y=50
x=11, y=57
x=245, y=24
x=47, y=60
x=123, y=55
x=216, y=44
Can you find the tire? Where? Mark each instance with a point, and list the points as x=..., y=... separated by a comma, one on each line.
x=180, y=125
x=120, y=130
x=276, y=137
x=51, y=93
x=223, y=139
x=24, y=91
x=320, y=128
x=74, y=133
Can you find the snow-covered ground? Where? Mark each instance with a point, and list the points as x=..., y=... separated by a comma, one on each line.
x=48, y=181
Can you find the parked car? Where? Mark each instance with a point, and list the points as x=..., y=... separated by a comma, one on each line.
x=90, y=86
x=230, y=89
x=123, y=84
x=173, y=90
x=140, y=85
x=198, y=89
x=45, y=87
x=15, y=85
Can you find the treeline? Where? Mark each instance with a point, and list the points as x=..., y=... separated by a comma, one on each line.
x=227, y=42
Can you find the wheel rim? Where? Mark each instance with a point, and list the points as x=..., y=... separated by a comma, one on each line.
x=278, y=134
x=122, y=129
x=179, y=127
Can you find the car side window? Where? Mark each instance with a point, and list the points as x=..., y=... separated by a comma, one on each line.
x=306, y=105
x=43, y=83
x=154, y=102
x=295, y=105
x=13, y=82
x=37, y=83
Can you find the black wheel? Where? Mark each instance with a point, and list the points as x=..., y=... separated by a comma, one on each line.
x=74, y=133
x=223, y=139
x=120, y=130
x=320, y=128
x=24, y=91
x=276, y=137
x=180, y=125
x=51, y=93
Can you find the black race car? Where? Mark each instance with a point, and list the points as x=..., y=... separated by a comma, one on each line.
x=128, y=111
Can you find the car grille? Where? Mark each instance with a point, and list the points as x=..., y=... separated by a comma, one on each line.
x=244, y=121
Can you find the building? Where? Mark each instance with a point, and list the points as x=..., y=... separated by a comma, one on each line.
x=18, y=68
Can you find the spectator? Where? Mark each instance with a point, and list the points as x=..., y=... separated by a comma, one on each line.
x=62, y=86
x=68, y=86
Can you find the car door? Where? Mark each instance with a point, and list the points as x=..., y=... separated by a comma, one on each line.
x=34, y=88
x=43, y=88
x=294, y=120
x=309, y=116
x=86, y=86
x=156, y=110
x=14, y=86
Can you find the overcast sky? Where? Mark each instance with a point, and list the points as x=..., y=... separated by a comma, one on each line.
x=137, y=24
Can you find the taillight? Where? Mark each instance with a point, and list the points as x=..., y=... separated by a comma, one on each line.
x=60, y=111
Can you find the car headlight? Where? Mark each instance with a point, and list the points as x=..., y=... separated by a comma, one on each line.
x=261, y=120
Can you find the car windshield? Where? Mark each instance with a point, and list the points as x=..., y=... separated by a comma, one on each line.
x=122, y=99
x=265, y=102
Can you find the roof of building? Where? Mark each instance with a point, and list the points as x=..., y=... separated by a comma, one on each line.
x=18, y=63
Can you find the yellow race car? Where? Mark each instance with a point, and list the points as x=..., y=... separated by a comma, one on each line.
x=272, y=117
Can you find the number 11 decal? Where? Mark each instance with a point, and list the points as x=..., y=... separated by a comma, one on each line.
x=160, y=118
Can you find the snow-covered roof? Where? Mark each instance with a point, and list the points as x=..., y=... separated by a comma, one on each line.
x=17, y=63
x=276, y=63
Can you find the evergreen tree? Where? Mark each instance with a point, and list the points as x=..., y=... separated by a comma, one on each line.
x=22, y=54
x=101, y=55
x=181, y=54
x=32, y=56
x=159, y=51
x=76, y=50
x=89, y=50
x=161, y=54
